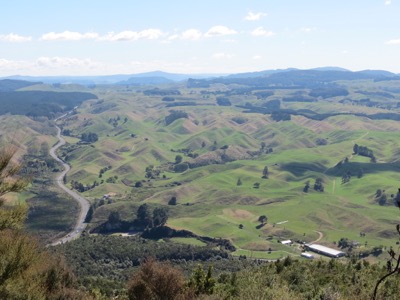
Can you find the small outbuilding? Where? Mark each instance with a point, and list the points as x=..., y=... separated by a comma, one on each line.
x=286, y=242
x=307, y=255
x=325, y=250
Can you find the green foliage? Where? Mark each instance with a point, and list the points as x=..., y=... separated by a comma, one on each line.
x=161, y=92
x=319, y=185
x=8, y=85
x=175, y=115
x=168, y=99
x=160, y=216
x=144, y=217
x=280, y=116
x=265, y=172
x=180, y=168
x=223, y=101
x=306, y=186
x=262, y=219
x=202, y=282
x=89, y=137
x=40, y=103
x=26, y=271
x=172, y=201
x=178, y=159
x=329, y=92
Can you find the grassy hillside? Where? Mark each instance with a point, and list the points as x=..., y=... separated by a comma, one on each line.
x=222, y=144
x=212, y=157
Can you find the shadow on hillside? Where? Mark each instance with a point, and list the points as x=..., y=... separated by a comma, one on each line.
x=367, y=168
x=299, y=169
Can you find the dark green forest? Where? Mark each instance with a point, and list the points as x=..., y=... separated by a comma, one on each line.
x=40, y=103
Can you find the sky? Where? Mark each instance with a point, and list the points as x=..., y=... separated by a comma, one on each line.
x=102, y=37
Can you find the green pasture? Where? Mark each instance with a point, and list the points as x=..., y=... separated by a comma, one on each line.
x=211, y=203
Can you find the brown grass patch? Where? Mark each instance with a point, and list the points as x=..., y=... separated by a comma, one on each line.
x=240, y=214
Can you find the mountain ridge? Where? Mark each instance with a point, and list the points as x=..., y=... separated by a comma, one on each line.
x=161, y=77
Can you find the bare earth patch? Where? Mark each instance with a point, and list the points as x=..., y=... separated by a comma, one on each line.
x=238, y=213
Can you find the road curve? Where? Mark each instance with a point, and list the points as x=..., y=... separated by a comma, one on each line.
x=84, y=204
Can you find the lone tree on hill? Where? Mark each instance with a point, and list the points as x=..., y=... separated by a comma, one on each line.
x=265, y=172
x=172, y=201
x=262, y=219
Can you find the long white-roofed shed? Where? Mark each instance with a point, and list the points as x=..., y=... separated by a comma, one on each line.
x=325, y=250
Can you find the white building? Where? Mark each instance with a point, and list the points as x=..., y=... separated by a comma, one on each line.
x=307, y=255
x=286, y=242
x=325, y=250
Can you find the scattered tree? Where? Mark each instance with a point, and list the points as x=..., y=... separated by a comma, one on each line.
x=202, y=282
x=89, y=137
x=178, y=159
x=265, y=172
x=318, y=185
x=262, y=219
x=306, y=187
x=143, y=215
x=239, y=182
x=160, y=216
x=180, y=168
x=172, y=201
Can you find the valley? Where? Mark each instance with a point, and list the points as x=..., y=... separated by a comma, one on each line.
x=154, y=143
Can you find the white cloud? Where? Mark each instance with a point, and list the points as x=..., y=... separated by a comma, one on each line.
x=191, y=34
x=388, y=2
x=219, y=30
x=68, y=36
x=251, y=16
x=147, y=34
x=260, y=31
x=222, y=55
x=65, y=62
x=393, y=42
x=128, y=35
x=15, y=38
x=256, y=57
x=12, y=65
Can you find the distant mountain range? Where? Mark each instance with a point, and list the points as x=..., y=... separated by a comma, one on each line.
x=325, y=74
x=148, y=78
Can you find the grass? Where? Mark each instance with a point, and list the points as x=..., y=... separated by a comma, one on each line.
x=188, y=241
x=217, y=206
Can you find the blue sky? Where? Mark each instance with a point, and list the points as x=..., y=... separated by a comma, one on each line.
x=123, y=37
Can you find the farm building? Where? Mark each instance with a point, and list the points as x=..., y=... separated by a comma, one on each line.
x=307, y=255
x=286, y=242
x=325, y=250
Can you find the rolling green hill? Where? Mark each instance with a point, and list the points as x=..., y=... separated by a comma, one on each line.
x=223, y=151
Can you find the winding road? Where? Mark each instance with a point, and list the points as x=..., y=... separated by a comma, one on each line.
x=84, y=204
